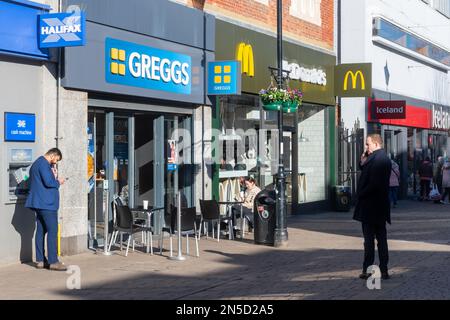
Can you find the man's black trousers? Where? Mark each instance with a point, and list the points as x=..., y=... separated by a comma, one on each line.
x=372, y=232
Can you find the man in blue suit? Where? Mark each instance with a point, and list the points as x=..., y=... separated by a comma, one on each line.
x=44, y=200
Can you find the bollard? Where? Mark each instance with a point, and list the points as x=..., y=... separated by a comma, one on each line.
x=179, y=256
x=106, y=252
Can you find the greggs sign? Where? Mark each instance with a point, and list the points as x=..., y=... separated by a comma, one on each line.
x=353, y=80
x=136, y=65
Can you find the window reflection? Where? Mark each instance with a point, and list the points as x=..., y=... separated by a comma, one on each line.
x=391, y=32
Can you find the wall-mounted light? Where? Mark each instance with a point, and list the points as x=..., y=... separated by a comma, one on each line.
x=302, y=138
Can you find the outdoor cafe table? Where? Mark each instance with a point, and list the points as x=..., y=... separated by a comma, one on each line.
x=228, y=204
x=149, y=212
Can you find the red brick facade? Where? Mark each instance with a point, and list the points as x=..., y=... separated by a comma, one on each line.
x=264, y=16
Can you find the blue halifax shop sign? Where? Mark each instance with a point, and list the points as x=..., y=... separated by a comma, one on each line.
x=62, y=30
x=131, y=64
x=20, y=127
x=19, y=29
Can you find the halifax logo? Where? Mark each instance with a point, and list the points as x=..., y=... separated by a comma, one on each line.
x=61, y=30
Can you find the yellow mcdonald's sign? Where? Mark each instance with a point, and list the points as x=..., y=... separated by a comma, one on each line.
x=360, y=74
x=354, y=77
x=244, y=54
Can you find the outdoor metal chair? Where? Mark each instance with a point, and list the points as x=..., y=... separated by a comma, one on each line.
x=211, y=213
x=188, y=227
x=124, y=223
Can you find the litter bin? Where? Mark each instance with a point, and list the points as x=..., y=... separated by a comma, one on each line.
x=342, y=198
x=264, y=217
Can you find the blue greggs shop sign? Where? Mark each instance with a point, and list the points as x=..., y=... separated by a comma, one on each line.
x=224, y=77
x=136, y=65
x=61, y=30
x=20, y=127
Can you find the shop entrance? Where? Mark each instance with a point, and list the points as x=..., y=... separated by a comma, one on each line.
x=135, y=156
x=395, y=144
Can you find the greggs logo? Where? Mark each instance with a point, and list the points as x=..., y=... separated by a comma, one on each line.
x=117, y=65
x=222, y=74
x=224, y=77
x=354, y=77
x=244, y=54
x=136, y=65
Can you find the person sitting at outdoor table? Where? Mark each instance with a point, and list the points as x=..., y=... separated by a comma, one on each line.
x=248, y=201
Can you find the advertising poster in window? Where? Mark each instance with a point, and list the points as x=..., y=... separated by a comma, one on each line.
x=90, y=156
x=171, y=156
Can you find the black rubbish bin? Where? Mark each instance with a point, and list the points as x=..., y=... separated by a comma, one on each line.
x=264, y=217
x=342, y=198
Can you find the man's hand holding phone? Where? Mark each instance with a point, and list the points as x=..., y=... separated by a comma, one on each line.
x=55, y=171
x=364, y=156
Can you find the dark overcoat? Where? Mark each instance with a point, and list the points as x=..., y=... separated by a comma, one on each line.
x=372, y=203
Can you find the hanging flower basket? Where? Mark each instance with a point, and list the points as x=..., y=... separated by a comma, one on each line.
x=290, y=106
x=275, y=99
x=272, y=105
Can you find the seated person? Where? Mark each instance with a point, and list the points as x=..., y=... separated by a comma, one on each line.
x=247, y=207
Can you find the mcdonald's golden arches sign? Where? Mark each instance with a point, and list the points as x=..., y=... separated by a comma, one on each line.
x=244, y=54
x=353, y=80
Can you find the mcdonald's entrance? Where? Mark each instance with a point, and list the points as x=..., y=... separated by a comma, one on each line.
x=248, y=147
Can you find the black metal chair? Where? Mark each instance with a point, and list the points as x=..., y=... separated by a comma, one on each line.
x=211, y=213
x=124, y=223
x=169, y=226
x=188, y=227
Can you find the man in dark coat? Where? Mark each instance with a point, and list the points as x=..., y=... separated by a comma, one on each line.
x=372, y=205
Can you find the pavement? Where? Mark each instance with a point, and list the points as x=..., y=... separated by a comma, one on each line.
x=321, y=262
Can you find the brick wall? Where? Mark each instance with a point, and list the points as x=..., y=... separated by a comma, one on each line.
x=264, y=16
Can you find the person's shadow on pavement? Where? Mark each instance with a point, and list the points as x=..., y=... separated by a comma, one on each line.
x=24, y=223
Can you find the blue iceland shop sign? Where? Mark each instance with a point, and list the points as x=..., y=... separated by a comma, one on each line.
x=136, y=65
x=20, y=127
x=62, y=30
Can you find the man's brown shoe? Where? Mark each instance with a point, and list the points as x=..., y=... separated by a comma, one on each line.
x=39, y=265
x=58, y=267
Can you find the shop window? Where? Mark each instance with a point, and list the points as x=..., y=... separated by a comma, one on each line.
x=393, y=33
x=312, y=156
x=307, y=10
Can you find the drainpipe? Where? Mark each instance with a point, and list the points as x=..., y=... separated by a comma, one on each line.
x=58, y=102
x=58, y=87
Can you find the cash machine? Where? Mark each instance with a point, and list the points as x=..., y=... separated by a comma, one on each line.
x=18, y=167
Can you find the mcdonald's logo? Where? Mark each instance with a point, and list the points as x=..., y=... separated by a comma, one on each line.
x=353, y=80
x=354, y=77
x=244, y=54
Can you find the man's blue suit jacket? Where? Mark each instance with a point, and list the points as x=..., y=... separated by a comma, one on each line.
x=44, y=188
